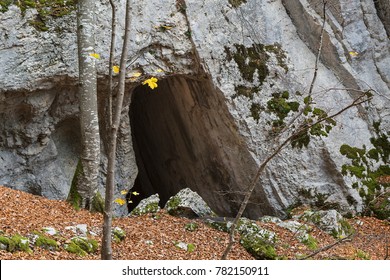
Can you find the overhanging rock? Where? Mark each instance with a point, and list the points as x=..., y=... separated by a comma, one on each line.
x=206, y=126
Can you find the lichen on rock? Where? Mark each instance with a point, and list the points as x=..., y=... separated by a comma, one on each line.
x=147, y=205
x=189, y=204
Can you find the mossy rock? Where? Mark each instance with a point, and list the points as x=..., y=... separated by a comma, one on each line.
x=46, y=243
x=75, y=249
x=258, y=247
x=16, y=243
x=236, y=3
x=147, y=205
x=250, y=60
x=81, y=246
x=97, y=203
x=219, y=223
x=329, y=221
x=74, y=198
x=249, y=227
x=4, y=242
x=46, y=9
x=187, y=203
x=118, y=234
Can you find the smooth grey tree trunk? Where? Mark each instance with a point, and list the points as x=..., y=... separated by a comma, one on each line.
x=90, y=156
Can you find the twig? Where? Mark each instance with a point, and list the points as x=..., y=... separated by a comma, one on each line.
x=313, y=81
x=345, y=239
x=111, y=62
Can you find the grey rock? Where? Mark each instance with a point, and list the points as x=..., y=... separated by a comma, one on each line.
x=301, y=231
x=118, y=234
x=249, y=227
x=257, y=241
x=147, y=205
x=270, y=219
x=50, y=230
x=80, y=229
x=189, y=204
x=3, y=246
x=199, y=131
x=329, y=221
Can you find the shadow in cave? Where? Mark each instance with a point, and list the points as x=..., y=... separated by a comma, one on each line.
x=184, y=136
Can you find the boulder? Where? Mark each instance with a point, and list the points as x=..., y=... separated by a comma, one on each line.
x=329, y=221
x=147, y=205
x=257, y=241
x=187, y=203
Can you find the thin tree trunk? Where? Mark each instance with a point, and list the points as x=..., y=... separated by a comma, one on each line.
x=90, y=157
x=111, y=62
x=117, y=110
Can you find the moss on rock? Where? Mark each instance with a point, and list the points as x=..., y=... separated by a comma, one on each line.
x=81, y=246
x=46, y=9
x=98, y=203
x=250, y=60
x=118, y=234
x=46, y=243
x=372, y=172
x=258, y=247
x=16, y=243
x=236, y=3
x=74, y=198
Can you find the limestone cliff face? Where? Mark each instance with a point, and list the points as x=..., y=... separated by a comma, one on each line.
x=206, y=126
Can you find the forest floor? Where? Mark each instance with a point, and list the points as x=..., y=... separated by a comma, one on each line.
x=154, y=236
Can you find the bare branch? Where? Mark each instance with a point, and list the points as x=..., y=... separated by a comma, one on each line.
x=111, y=62
x=345, y=239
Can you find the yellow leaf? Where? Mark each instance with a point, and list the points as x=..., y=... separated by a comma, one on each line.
x=124, y=192
x=120, y=201
x=135, y=193
x=136, y=74
x=152, y=82
x=95, y=55
x=115, y=69
x=160, y=70
x=353, y=53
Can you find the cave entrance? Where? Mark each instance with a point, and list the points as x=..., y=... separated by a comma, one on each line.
x=184, y=136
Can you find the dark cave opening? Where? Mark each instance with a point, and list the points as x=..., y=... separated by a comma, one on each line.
x=184, y=137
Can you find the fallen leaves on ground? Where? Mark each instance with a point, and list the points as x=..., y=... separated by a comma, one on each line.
x=153, y=236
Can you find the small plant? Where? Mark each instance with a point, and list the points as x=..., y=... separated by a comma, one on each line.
x=191, y=247
x=310, y=242
x=191, y=226
x=360, y=254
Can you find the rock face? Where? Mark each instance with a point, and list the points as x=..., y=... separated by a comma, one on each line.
x=206, y=126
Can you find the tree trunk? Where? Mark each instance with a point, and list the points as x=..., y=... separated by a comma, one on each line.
x=106, y=253
x=90, y=157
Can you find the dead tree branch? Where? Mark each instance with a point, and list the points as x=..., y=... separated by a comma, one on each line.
x=345, y=239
